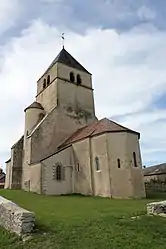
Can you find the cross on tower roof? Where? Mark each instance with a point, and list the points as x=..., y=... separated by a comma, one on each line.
x=63, y=40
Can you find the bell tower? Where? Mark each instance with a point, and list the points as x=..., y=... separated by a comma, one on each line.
x=68, y=85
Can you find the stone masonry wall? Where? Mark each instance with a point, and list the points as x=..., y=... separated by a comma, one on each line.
x=15, y=219
x=55, y=128
x=17, y=164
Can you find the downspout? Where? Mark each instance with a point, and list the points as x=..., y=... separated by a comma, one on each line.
x=91, y=166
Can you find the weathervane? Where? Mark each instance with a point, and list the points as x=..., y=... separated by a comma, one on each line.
x=63, y=39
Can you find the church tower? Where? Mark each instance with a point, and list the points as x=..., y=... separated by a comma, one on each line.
x=64, y=104
x=68, y=85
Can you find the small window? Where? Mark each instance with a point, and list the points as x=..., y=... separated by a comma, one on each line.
x=78, y=167
x=97, y=163
x=135, y=160
x=118, y=161
x=58, y=173
x=44, y=84
x=48, y=80
x=79, y=81
x=72, y=78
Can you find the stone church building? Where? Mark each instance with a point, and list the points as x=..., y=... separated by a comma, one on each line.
x=65, y=149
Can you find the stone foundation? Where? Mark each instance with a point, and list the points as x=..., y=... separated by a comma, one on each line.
x=157, y=208
x=14, y=218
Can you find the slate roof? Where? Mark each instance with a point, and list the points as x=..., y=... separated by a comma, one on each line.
x=98, y=127
x=36, y=105
x=67, y=59
x=155, y=170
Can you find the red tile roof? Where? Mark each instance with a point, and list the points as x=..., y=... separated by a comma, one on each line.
x=96, y=128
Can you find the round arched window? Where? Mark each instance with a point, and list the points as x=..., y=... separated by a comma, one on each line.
x=48, y=80
x=72, y=78
x=59, y=173
x=97, y=163
x=79, y=81
x=44, y=83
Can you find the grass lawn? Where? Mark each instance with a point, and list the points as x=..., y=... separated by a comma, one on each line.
x=77, y=222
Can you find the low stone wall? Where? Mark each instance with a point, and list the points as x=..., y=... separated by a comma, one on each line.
x=155, y=186
x=157, y=208
x=14, y=218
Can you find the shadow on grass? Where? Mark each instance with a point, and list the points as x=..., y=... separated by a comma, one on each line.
x=156, y=195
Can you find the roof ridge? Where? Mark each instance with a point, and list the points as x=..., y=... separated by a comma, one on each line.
x=97, y=123
x=119, y=124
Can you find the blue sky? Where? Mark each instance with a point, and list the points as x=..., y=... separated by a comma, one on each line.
x=121, y=42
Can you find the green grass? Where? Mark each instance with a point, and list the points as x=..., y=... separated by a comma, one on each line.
x=77, y=222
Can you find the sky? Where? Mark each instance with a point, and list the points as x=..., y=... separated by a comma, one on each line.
x=121, y=42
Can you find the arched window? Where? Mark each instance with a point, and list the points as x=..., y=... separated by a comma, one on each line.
x=118, y=161
x=72, y=78
x=44, y=83
x=79, y=81
x=59, y=173
x=97, y=163
x=78, y=167
x=135, y=159
x=48, y=80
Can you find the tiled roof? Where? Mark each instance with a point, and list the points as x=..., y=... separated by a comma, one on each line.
x=96, y=128
x=155, y=170
x=65, y=58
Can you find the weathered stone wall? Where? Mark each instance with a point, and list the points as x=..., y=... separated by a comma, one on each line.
x=16, y=164
x=157, y=208
x=56, y=127
x=101, y=176
x=48, y=97
x=52, y=186
x=53, y=75
x=35, y=178
x=77, y=99
x=82, y=168
x=136, y=172
x=8, y=172
x=155, y=177
x=14, y=218
x=155, y=186
x=120, y=177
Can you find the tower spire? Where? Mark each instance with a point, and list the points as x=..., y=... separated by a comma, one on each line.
x=63, y=40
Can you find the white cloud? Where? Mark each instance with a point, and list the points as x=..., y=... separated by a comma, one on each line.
x=9, y=10
x=128, y=74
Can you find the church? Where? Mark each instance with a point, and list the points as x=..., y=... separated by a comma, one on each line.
x=65, y=149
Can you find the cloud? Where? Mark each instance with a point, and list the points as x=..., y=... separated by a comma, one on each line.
x=128, y=75
x=81, y=15
x=145, y=13
x=152, y=126
x=9, y=12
